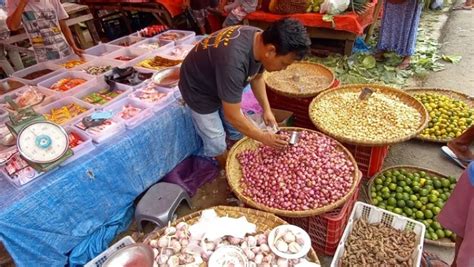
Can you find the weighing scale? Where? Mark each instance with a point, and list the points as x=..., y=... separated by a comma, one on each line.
x=43, y=144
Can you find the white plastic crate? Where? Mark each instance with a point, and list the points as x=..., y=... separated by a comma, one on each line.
x=99, y=85
x=100, y=62
x=126, y=41
x=99, y=260
x=49, y=97
x=102, y=50
x=46, y=84
x=138, y=119
x=132, y=52
x=159, y=105
x=63, y=102
x=188, y=36
x=64, y=60
x=82, y=149
x=56, y=69
x=372, y=215
x=145, y=44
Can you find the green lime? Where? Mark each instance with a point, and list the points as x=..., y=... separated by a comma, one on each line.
x=399, y=189
x=423, y=192
x=375, y=201
x=407, y=189
x=418, y=204
x=439, y=204
x=387, y=181
x=424, y=200
x=378, y=187
x=399, y=196
x=382, y=206
x=373, y=195
x=437, y=184
x=434, y=236
x=408, y=212
x=401, y=203
x=428, y=235
x=422, y=174
x=385, y=189
x=413, y=198
x=448, y=233
x=378, y=180
x=392, y=201
x=435, y=192
x=452, y=180
x=419, y=215
x=415, y=187
x=430, y=206
x=445, y=182
x=402, y=183
x=427, y=224
x=406, y=196
x=385, y=195
x=428, y=214
x=452, y=186
x=440, y=233
x=436, y=210
x=429, y=181
x=392, y=186
x=443, y=196
x=396, y=173
x=390, y=208
x=436, y=225
x=397, y=210
x=379, y=198
x=410, y=204
x=409, y=181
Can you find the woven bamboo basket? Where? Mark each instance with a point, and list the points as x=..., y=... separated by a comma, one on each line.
x=234, y=175
x=444, y=242
x=314, y=68
x=404, y=97
x=263, y=220
x=469, y=100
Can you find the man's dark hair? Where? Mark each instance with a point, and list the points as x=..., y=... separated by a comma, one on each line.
x=288, y=36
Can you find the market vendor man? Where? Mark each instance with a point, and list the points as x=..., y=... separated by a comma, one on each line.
x=215, y=72
x=45, y=23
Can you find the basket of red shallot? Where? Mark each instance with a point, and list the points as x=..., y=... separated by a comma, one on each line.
x=231, y=236
x=313, y=176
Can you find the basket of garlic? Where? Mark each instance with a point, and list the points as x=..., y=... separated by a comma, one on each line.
x=382, y=116
x=226, y=235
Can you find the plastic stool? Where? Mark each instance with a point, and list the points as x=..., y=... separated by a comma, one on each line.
x=159, y=204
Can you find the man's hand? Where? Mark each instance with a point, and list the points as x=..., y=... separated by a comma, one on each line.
x=274, y=140
x=269, y=118
x=78, y=51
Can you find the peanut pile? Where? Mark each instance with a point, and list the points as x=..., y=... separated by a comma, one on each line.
x=380, y=118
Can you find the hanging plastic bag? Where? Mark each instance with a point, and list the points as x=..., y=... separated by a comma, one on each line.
x=334, y=7
x=4, y=31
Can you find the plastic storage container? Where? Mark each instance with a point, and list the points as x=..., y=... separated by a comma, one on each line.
x=126, y=41
x=155, y=106
x=46, y=84
x=178, y=51
x=100, y=62
x=373, y=214
x=142, y=70
x=161, y=53
x=197, y=39
x=49, y=97
x=63, y=102
x=9, y=85
x=186, y=36
x=139, y=118
x=63, y=61
x=82, y=149
x=102, y=50
x=56, y=69
x=102, y=257
x=24, y=176
x=109, y=132
x=153, y=44
x=129, y=52
x=99, y=85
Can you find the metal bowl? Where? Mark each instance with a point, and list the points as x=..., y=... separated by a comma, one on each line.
x=132, y=255
x=167, y=78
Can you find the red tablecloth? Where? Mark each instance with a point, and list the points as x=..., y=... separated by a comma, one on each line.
x=348, y=21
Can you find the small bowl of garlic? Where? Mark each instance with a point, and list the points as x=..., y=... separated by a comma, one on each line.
x=289, y=241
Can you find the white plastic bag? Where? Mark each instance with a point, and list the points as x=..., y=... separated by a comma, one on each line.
x=4, y=32
x=334, y=7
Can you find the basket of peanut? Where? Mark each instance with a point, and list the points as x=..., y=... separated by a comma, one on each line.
x=368, y=114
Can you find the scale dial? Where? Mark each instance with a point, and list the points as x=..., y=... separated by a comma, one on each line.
x=42, y=142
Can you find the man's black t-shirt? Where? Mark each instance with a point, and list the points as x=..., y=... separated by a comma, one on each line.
x=219, y=68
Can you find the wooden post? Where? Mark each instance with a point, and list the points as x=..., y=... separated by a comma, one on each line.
x=376, y=17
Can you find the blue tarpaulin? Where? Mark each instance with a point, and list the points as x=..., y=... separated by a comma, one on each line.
x=70, y=215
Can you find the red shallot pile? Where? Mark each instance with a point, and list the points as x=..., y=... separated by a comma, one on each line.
x=308, y=175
